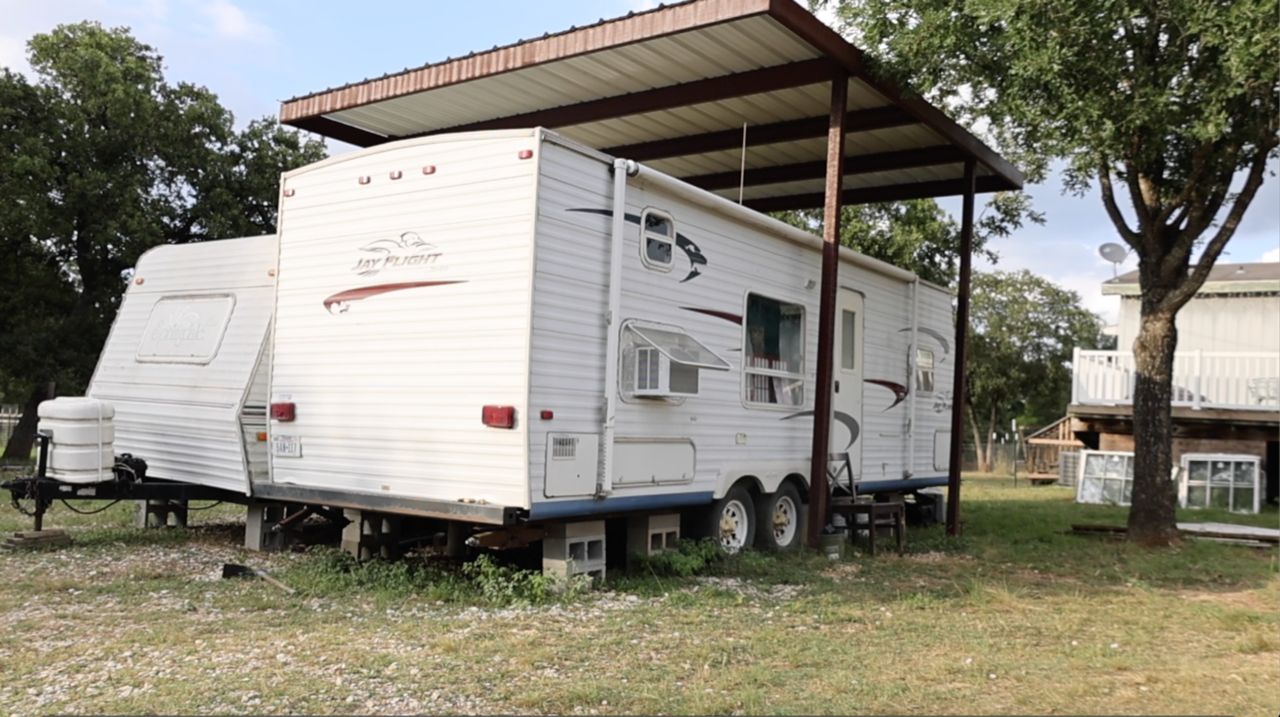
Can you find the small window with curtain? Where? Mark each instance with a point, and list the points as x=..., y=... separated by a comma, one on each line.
x=657, y=239
x=924, y=371
x=773, y=353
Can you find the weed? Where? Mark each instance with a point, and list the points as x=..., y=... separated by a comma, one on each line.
x=485, y=580
x=499, y=584
x=690, y=557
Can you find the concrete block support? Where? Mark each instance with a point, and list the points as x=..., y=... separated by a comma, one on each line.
x=371, y=535
x=259, y=520
x=574, y=549
x=160, y=513
x=652, y=534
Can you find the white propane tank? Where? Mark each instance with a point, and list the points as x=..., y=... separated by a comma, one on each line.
x=80, y=450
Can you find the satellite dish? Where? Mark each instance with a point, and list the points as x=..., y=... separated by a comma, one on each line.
x=1114, y=253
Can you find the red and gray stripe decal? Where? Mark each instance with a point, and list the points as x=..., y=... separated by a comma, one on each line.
x=341, y=301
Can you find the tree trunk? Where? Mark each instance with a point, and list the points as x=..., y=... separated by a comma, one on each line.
x=23, y=438
x=1152, y=517
x=991, y=442
x=984, y=465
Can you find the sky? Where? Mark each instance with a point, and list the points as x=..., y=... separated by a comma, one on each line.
x=254, y=54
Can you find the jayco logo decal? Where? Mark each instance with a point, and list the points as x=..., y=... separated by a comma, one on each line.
x=407, y=250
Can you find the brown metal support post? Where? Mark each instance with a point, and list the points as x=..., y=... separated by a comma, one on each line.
x=962, y=343
x=827, y=310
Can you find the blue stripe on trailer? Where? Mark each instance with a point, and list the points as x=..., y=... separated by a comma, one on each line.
x=901, y=485
x=571, y=508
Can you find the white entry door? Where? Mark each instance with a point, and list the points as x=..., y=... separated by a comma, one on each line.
x=846, y=424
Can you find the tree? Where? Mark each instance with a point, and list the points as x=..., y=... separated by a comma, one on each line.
x=1163, y=102
x=918, y=235
x=1023, y=332
x=101, y=159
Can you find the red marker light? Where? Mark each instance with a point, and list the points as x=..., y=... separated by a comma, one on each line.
x=526, y=154
x=499, y=416
x=546, y=415
x=429, y=169
x=283, y=412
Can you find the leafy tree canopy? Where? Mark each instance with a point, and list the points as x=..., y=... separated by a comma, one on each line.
x=1024, y=330
x=918, y=235
x=1166, y=101
x=102, y=158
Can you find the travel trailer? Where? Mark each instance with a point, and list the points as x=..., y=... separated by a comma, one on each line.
x=508, y=328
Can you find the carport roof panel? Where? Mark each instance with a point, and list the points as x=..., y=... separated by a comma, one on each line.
x=673, y=87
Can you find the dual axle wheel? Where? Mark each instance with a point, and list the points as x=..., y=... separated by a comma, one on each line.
x=774, y=521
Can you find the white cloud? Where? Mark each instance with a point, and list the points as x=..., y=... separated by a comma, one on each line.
x=1271, y=255
x=231, y=22
x=642, y=5
x=13, y=54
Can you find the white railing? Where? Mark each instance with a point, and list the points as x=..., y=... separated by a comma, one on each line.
x=1201, y=379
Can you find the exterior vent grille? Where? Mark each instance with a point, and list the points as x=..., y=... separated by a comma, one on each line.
x=648, y=369
x=564, y=448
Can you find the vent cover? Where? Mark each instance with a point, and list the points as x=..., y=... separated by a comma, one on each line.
x=564, y=448
x=648, y=369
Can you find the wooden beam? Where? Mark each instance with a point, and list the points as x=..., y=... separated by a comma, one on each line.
x=873, y=195
x=822, y=400
x=711, y=89
x=337, y=130
x=853, y=165
x=773, y=133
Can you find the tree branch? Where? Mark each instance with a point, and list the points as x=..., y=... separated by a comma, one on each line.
x=1188, y=288
x=1137, y=194
x=1113, y=210
x=1179, y=201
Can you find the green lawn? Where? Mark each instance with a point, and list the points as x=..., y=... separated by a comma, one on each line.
x=1016, y=616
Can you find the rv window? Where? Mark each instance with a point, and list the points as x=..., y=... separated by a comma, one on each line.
x=774, y=352
x=848, y=341
x=657, y=239
x=924, y=371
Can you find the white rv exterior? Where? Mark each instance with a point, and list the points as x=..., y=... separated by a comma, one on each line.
x=423, y=280
x=185, y=363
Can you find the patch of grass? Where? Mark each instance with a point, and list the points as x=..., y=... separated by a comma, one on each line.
x=1016, y=616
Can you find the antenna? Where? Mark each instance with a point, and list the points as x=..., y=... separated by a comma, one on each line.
x=1114, y=253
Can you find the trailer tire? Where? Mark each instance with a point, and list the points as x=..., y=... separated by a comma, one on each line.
x=780, y=520
x=731, y=520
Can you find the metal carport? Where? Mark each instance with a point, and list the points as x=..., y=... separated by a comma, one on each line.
x=684, y=88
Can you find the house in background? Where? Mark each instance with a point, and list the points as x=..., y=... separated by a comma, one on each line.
x=1226, y=372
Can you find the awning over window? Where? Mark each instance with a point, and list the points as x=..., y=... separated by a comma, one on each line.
x=679, y=347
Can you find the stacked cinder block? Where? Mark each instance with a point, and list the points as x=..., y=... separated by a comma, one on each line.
x=652, y=534
x=574, y=549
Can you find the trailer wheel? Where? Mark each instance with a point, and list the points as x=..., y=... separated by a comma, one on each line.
x=732, y=520
x=781, y=520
